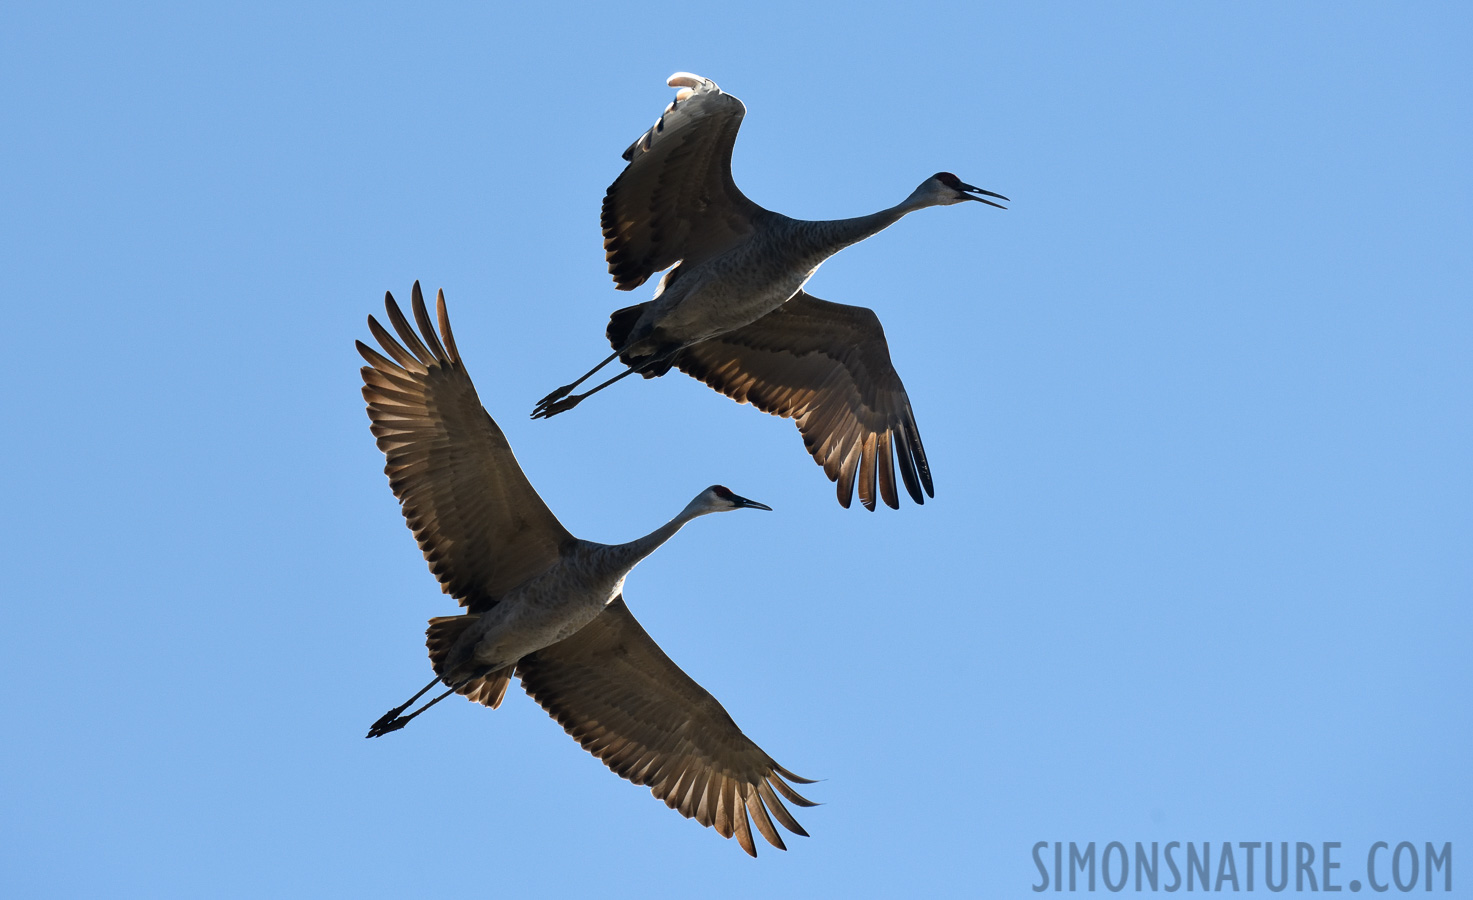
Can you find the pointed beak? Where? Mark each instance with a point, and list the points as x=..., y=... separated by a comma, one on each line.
x=977, y=190
x=744, y=503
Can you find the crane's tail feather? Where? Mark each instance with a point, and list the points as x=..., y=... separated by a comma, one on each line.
x=621, y=325
x=487, y=688
x=442, y=634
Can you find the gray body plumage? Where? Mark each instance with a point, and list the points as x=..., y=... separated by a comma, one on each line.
x=550, y=606
x=747, y=281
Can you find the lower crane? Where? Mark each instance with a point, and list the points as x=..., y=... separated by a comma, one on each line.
x=546, y=606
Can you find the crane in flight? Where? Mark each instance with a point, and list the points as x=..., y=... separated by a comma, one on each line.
x=731, y=310
x=545, y=605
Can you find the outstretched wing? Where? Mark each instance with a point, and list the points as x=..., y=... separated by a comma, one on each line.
x=613, y=689
x=826, y=366
x=481, y=525
x=676, y=200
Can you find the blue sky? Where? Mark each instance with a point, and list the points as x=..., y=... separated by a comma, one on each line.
x=1197, y=406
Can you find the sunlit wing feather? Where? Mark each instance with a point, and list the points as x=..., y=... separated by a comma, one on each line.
x=613, y=689
x=480, y=523
x=827, y=367
x=676, y=198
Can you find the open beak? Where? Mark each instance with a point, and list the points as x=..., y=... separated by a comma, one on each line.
x=744, y=503
x=976, y=190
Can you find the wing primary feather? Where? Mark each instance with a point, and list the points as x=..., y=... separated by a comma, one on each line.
x=401, y=325
x=725, y=803
x=422, y=319
x=780, y=812
x=908, y=466
x=787, y=791
x=389, y=375
x=846, y=476
x=885, y=467
x=743, y=830
x=761, y=819
x=375, y=358
x=796, y=779
x=404, y=402
x=444, y=316
x=404, y=358
x=918, y=451
x=867, y=472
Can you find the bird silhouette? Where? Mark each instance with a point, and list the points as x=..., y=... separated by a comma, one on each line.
x=545, y=605
x=731, y=310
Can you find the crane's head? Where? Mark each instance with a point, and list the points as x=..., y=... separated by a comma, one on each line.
x=944, y=189
x=718, y=498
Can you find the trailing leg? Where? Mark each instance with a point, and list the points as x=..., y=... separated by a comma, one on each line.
x=390, y=721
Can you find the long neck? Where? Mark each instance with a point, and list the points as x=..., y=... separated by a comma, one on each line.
x=626, y=556
x=831, y=236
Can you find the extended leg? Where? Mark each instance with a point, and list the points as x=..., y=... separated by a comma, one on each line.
x=556, y=402
x=391, y=721
x=568, y=388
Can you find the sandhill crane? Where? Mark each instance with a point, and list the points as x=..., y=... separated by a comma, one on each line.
x=545, y=605
x=731, y=310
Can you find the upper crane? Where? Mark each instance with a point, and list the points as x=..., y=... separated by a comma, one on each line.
x=731, y=310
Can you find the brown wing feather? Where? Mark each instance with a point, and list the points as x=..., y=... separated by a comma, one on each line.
x=826, y=366
x=613, y=689
x=676, y=198
x=481, y=525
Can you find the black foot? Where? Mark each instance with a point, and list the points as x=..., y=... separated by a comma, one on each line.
x=558, y=394
x=388, y=722
x=549, y=408
x=392, y=725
